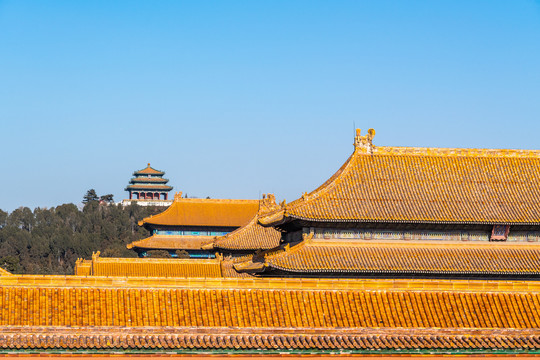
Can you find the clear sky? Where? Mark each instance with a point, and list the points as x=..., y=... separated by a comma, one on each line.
x=237, y=98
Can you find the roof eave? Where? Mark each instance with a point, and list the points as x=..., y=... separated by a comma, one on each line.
x=290, y=218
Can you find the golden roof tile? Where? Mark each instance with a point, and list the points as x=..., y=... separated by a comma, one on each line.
x=133, y=306
x=74, y=312
x=137, y=267
x=251, y=236
x=171, y=242
x=205, y=212
x=400, y=257
x=424, y=185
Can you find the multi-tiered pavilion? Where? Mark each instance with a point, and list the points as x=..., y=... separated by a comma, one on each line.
x=148, y=184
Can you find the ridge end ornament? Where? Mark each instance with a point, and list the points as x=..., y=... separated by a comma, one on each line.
x=365, y=142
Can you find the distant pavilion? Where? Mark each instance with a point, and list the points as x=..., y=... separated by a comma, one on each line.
x=148, y=184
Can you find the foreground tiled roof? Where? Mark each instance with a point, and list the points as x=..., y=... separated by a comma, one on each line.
x=425, y=185
x=96, y=313
x=205, y=212
x=99, y=266
x=252, y=236
x=4, y=272
x=170, y=242
x=401, y=257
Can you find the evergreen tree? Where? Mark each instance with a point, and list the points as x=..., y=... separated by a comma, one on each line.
x=90, y=196
x=107, y=198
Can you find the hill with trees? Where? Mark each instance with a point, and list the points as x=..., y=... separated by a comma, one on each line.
x=48, y=241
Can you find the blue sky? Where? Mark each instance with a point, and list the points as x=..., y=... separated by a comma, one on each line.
x=237, y=98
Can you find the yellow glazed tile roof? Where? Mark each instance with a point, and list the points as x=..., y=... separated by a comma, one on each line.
x=252, y=236
x=276, y=307
x=205, y=212
x=401, y=257
x=425, y=185
x=170, y=242
x=203, y=268
x=70, y=312
x=148, y=170
x=83, y=267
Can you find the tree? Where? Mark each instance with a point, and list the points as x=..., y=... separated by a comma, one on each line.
x=90, y=196
x=106, y=198
x=3, y=218
x=49, y=241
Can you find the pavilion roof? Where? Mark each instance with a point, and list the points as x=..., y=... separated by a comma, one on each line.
x=55, y=313
x=146, y=179
x=442, y=258
x=205, y=212
x=151, y=187
x=148, y=170
x=424, y=185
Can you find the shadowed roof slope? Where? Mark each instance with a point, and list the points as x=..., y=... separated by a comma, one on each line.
x=425, y=185
x=205, y=212
x=399, y=257
x=253, y=236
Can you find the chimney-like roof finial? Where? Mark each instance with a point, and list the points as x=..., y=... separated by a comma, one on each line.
x=364, y=142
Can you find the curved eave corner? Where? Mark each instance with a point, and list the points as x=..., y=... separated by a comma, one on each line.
x=273, y=219
x=250, y=266
x=208, y=246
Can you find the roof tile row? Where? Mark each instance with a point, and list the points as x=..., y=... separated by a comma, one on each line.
x=404, y=257
x=270, y=340
x=265, y=308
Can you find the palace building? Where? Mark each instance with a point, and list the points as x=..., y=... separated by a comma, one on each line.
x=413, y=212
x=403, y=251
x=189, y=223
x=149, y=186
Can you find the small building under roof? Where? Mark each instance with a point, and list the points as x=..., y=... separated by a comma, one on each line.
x=189, y=223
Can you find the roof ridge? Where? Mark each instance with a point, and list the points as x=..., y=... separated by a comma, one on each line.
x=419, y=185
x=457, y=152
x=420, y=244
